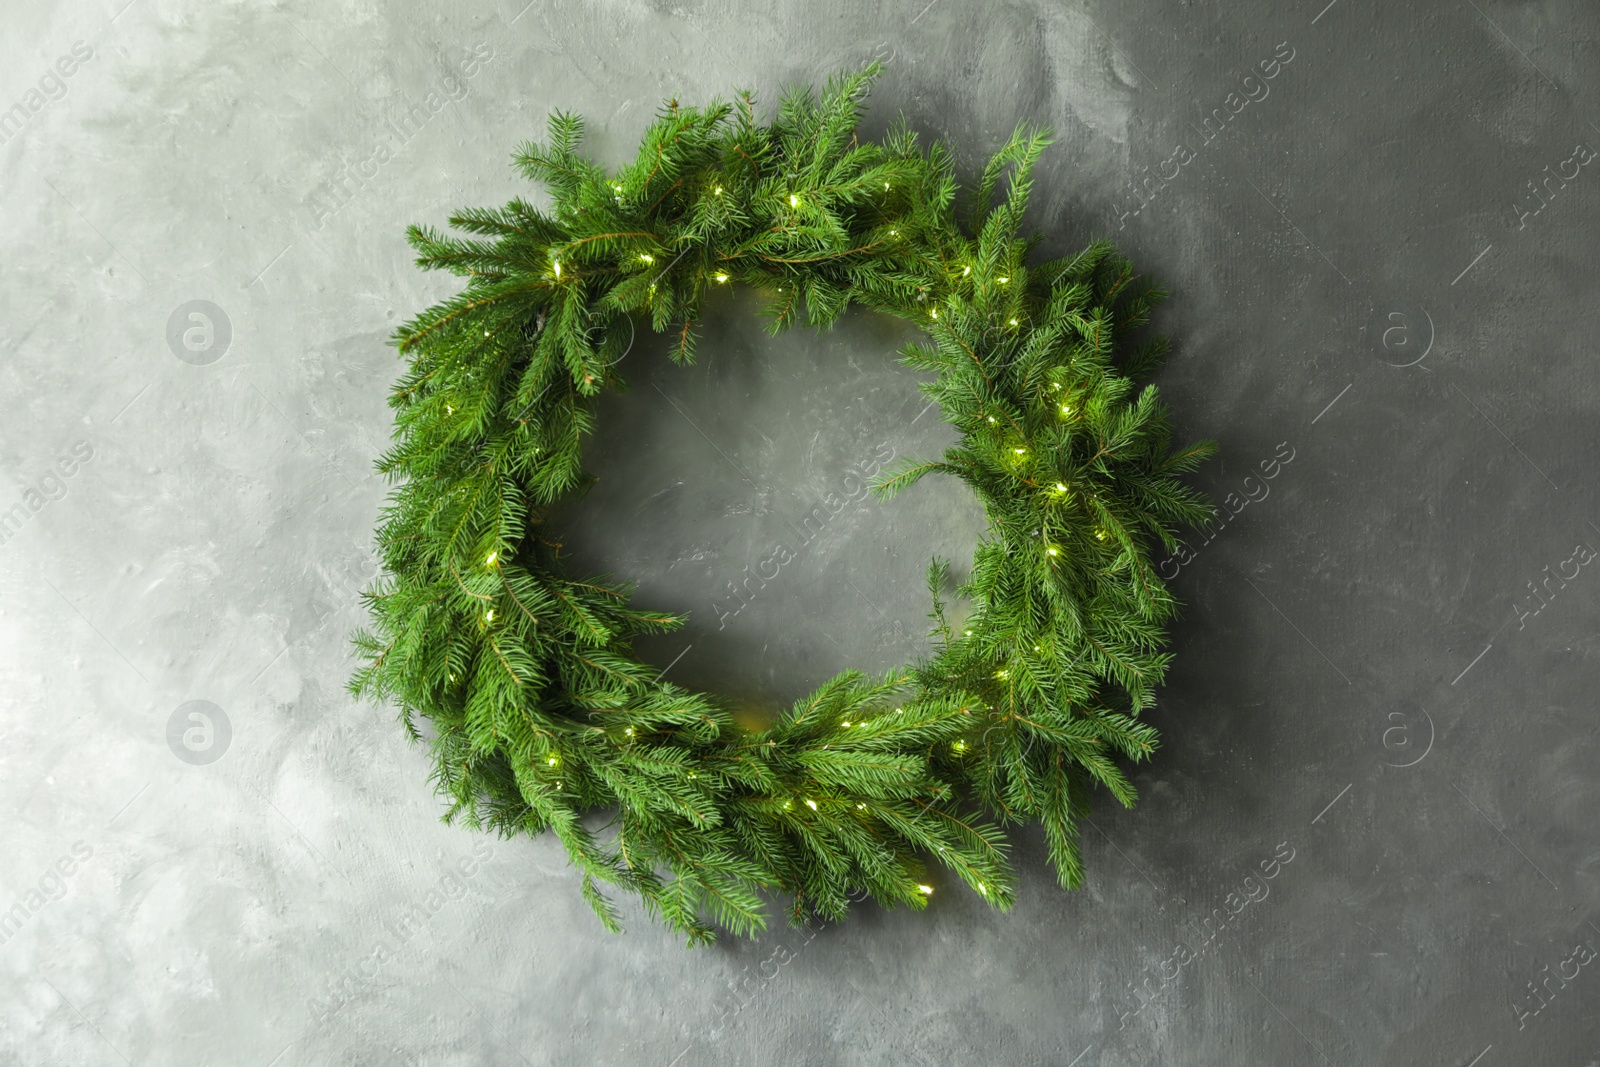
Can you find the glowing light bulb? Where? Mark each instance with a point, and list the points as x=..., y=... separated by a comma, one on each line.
x=1051, y=550
x=960, y=746
x=1019, y=451
x=1002, y=281
x=717, y=191
x=991, y=418
x=448, y=410
x=1060, y=488
x=452, y=677
x=490, y=558
x=551, y=761
x=934, y=312
x=845, y=723
x=925, y=890
x=486, y=333
x=722, y=277
x=794, y=201
x=1002, y=674
x=860, y=807
x=965, y=271
x=1013, y=322
x=886, y=185
x=1101, y=534
x=557, y=265
x=899, y=711
x=618, y=188
x=647, y=257
x=983, y=889
x=1055, y=385
x=629, y=731
x=488, y=616
x=812, y=804
x=967, y=632
x=787, y=804
x=894, y=233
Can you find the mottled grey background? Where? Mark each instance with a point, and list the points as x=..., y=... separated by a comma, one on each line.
x=1365, y=278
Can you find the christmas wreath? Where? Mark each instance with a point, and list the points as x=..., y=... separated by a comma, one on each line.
x=541, y=716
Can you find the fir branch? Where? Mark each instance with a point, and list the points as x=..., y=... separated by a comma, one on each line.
x=541, y=712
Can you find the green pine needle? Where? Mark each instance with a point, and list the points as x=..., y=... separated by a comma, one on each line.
x=539, y=712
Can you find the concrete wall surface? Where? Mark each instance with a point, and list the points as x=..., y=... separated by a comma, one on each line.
x=1377, y=221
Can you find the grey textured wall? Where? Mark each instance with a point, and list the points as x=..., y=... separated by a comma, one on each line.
x=1383, y=265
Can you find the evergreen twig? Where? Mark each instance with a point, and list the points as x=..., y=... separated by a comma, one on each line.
x=540, y=710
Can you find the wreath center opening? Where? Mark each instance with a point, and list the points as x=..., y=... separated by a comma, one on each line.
x=736, y=491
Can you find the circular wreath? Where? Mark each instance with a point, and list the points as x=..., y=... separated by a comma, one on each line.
x=540, y=712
